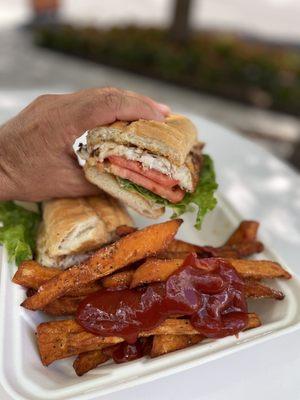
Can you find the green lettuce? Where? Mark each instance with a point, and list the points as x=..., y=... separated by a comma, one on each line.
x=18, y=231
x=203, y=197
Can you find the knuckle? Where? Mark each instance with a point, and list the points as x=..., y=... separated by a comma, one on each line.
x=112, y=98
x=109, y=98
x=43, y=98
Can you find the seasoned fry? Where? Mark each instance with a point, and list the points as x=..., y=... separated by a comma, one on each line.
x=68, y=305
x=130, y=248
x=179, y=249
x=175, y=326
x=179, y=246
x=61, y=339
x=238, y=250
x=30, y=292
x=91, y=359
x=63, y=306
x=258, y=291
x=156, y=270
x=246, y=232
x=32, y=275
x=118, y=280
x=163, y=344
x=84, y=290
x=259, y=269
x=124, y=230
x=168, y=255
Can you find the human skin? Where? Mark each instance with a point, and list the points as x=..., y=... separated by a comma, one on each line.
x=37, y=161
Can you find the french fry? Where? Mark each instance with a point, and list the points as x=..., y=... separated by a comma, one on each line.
x=63, y=306
x=238, y=250
x=246, y=232
x=61, y=339
x=118, y=280
x=179, y=249
x=130, y=248
x=124, y=230
x=179, y=246
x=163, y=344
x=175, y=326
x=85, y=290
x=91, y=359
x=259, y=269
x=68, y=305
x=156, y=270
x=258, y=291
x=30, y=292
x=32, y=275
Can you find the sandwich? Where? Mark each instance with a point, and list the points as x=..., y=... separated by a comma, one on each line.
x=150, y=165
x=72, y=229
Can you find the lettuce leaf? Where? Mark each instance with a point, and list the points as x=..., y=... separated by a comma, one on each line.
x=18, y=231
x=203, y=197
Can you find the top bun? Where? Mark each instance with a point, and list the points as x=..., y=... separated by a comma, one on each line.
x=173, y=138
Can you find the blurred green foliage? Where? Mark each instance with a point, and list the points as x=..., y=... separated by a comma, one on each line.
x=219, y=64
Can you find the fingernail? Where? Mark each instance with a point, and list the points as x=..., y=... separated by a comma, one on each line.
x=163, y=108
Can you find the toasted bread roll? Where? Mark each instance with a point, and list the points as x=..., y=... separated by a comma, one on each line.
x=72, y=228
x=172, y=139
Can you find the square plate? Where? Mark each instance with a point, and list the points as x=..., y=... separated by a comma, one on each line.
x=23, y=376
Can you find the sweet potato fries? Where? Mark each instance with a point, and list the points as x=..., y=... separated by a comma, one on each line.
x=137, y=259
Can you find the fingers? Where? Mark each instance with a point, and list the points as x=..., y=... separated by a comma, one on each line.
x=164, y=108
x=95, y=107
x=133, y=106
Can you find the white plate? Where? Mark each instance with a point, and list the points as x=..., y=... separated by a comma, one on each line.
x=260, y=187
x=23, y=376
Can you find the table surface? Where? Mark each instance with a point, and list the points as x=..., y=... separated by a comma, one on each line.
x=260, y=187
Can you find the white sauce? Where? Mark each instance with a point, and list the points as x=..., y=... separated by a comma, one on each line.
x=148, y=160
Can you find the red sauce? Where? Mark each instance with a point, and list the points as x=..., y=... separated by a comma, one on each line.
x=208, y=291
x=124, y=352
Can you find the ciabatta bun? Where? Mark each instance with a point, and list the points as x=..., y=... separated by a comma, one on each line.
x=73, y=227
x=173, y=138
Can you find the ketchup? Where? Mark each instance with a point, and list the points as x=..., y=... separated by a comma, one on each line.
x=124, y=352
x=208, y=291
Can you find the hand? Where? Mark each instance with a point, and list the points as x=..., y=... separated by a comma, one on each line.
x=37, y=161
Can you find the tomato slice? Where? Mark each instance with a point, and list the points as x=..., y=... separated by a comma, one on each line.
x=174, y=195
x=150, y=173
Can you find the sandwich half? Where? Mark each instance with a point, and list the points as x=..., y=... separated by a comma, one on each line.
x=151, y=165
x=72, y=228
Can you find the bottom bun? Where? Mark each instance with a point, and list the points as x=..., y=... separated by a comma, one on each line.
x=109, y=184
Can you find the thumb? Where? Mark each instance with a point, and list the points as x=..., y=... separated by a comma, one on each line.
x=76, y=184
